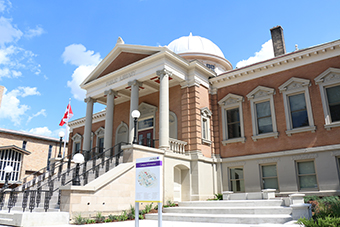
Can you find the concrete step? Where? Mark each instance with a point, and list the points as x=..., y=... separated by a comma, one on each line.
x=224, y=218
x=229, y=210
x=232, y=203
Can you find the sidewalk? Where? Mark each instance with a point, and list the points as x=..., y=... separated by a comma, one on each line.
x=153, y=223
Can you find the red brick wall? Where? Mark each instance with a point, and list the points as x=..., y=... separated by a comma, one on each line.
x=300, y=140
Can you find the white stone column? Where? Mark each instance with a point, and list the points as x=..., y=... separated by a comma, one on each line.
x=88, y=124
x=134, y=102
x=110, y=104
x=164, y=108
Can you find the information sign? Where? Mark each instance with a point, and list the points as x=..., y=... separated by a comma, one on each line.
x=148, y=179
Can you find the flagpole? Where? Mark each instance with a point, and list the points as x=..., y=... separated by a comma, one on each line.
x=66, y=128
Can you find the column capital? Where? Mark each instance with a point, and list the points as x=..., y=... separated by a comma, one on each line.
x=110, y=92
x=89, y=99
x=163, y=72
x=135, y=83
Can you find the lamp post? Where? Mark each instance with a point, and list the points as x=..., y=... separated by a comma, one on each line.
x=78, y=159
x=8, y=171
x=135, y=114
x=61, y=135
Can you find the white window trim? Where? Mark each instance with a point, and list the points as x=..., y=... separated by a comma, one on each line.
x=327, y=79
x=263, y=178
x=100, y=133
x=76, y=139
x=206, y=115
x=231, y=101
x=259, y=95
x=297, y=175
x=295, y=86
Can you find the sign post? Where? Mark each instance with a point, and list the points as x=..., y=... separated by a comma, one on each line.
x=149, y=179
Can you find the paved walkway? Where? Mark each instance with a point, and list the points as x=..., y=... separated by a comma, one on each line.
x=152, y=223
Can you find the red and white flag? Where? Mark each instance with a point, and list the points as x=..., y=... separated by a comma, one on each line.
x=67, y=115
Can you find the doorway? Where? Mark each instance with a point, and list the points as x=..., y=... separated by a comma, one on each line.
x=145, y=138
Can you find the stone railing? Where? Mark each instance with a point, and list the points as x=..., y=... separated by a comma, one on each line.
x=177, y=146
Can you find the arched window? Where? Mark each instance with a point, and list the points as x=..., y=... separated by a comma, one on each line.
x=172, y=125
x=122, y=135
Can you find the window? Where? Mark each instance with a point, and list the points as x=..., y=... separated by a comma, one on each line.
x=306, y=175
x=100, y=140
x=205, y=122
x=236, y=180
x=10, y=157
x=269, y=177
x=232, y=119
x=297, y=105
x=263, y=113
x=24, y=143
x=329, y=84
x=76, y=143
x=172, y=125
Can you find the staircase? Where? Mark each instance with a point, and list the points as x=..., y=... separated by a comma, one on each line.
x=229, y=212
x=42, y=192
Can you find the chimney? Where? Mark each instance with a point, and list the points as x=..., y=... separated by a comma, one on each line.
x=278, y=40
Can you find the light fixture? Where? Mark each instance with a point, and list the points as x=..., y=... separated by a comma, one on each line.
x=135, y=114
x=78, y=159
x=61, y=135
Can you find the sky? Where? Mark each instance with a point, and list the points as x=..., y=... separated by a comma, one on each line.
x=47, y=48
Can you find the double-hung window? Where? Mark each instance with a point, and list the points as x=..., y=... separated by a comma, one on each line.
x=329, y=84
x=297, y=105
x=306, y=175
x=232, y=119
x=236, y=179
x=76, y=143
x=269, y=176
x=205, y=123
x=263, y=113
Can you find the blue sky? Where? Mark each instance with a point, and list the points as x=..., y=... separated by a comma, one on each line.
x=48, y=47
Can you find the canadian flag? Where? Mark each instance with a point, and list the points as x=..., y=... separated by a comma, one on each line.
x=67, y=115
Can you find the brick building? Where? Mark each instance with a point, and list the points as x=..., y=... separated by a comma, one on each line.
x=272, y=124
x=25, y=152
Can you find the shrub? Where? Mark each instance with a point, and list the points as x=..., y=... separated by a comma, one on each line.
x=99, y=218
x=108, y=220
x=79, y=220
x=219, y=196
x=113, y=217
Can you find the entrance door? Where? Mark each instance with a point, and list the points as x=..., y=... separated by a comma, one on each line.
x=145, y=138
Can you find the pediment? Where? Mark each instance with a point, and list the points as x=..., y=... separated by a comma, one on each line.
x=122, y=55
x=293, y=84
x=260, y=91
x=331, y=75
x=230, y=99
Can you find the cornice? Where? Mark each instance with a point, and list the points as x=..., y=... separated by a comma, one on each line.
x=278, y=64
x=100, y=116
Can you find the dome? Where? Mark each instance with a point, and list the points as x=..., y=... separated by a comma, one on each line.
x=195, y=44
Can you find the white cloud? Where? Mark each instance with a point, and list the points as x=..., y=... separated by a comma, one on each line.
x=28, y=91
x=78, y=77
x=34, y=32
x=10, y=106
x=4, y=4
x=8, y=32
x=76, y=54
x=43, y=131
x=265, y=53
x=41, y=112
x=86, y=60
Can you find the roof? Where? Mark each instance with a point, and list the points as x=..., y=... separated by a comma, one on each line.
x=13, y=147
x=21, y=133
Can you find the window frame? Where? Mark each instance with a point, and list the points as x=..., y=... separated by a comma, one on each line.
x=231, y=101
x=296, y=86
x=259, y=95
x=263, y=178
x=206, y=117
x=234, y=180
x=298, y=176
x=77, y=138
x=100, y=134
x=327, y=79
